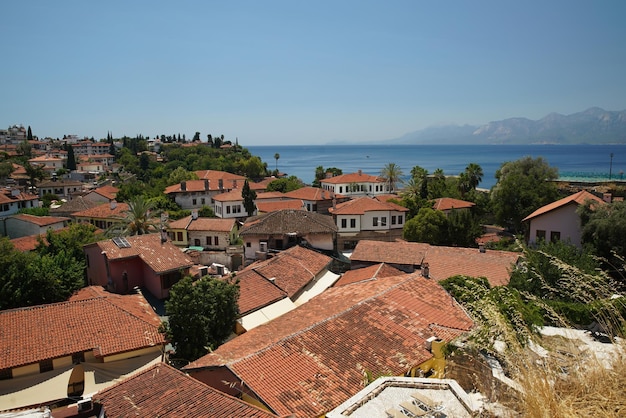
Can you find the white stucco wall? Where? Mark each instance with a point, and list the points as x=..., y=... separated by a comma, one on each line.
x=563, y=220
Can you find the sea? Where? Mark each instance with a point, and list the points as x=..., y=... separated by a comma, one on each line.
x=574, y=162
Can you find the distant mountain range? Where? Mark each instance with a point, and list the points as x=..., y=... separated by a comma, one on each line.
x=593, y=126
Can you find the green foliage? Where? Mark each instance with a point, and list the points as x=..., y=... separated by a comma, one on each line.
x=392, y=174
x=604, y=231
x=463, y=229
x=70, y=240
x=285, y=184
x=6, y=168
x=140, y=218
x=48, y=198
x=320, y=174
x=201, y=315
x=249, y=197
x=428, y=226
x=71, y=158
x=36, y=211
x=206, y=212
x=181, y=174
x=523, y=186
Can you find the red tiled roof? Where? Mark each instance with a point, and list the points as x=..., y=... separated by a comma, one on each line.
x=447, y=203
x=364, y=204
x=6, y=196
x=231, y=196
x=27, y=243
x=312, y=194
x=163, y=391
x=496, y=266
x=160, y=256
x=387, y=197
x=398, y=252
x=191, y=186
x=203, y=224
x=309, y=360
x=292, y=269
x=265, y=207
x=261, y=185
x=104, y=211
x=106, y=326
x=219, y=175
x=107, y=191
x=376, y=271
x=270, y=195
x=353, y=178
x=40, y=220
x=256, y=291
x=577, y=199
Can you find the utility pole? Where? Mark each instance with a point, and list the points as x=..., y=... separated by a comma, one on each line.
x=611, y=167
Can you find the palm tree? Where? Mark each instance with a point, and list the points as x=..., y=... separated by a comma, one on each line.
x=139, y=218
x=35, y=172
x=276, y=157
x=413, y=187
x=392, y=175
x=474, y=174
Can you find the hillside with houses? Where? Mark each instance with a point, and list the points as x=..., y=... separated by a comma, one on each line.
x=175, y=278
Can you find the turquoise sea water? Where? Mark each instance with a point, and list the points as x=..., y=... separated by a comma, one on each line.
x=574, y=162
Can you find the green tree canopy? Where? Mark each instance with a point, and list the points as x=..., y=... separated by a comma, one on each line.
x=522, y=187
x=428, y=226
x=201, y=315
x=392, y=174
x=285, y=184
x=249, y=197
x=604, y=231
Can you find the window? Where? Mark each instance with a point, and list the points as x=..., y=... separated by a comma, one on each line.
x=375, y=222
x=209, y=241
x=393, y=219
x=248, y=244
x=340, y=189
x=194, y=201
x=555, y=236
x=228, y=209
x=352, y=223
x=78, y=358
x=344, y=223
x=314, y=207
x=383, y=221
x=179, y=236
x=400, y=218
x=541, y=235
x=196, y=242
x=6, y=374
x=216, y=240
x=45, y=366
x=203, y=200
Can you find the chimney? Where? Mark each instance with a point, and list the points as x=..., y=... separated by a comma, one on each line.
x=220, y=184
x=425, y=270
x=113, y=204
x=163, y=236
x=194, y=214
x=360, y=172
x=183, y=186
x=234, y=184
x=206, y=184
x=481, y=247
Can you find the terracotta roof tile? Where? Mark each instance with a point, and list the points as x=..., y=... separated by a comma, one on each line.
x=376, y=271
x=293, y=269
x=312, y=194
x=269, y=195
x=311, y=359
x=107, y=191
x=7, y=196
x=353, y=178
x=163, y=391
x=231, y=196
x=447, y=203
x=203, y=224
x=288, y=221
x=27, y=243
x=50, y=331
x=256, y=291
x=265, y=207
x=496, y=266
x=77, y=204
x=398, y=252
x=364, y=204
x=576, y=198
x=40, y=220
x=160, y=256
x=104, y=210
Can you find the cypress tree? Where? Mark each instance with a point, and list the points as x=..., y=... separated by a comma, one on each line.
x=71, y=158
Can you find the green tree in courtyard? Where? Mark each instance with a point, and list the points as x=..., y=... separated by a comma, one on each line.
x=249, y=197
x=429, y=226
x=522, y=187
x=285, y=185
x=140, y=218
x=604, y=232
x=35, y=173
x=201, y=315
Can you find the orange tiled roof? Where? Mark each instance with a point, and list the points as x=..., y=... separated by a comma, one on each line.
x=27, y=243
x=6, y=196
x=219, y=175
x=496, y=266
x=576, y=198
x=231, y=196
x=398, y=252
x=104, y=211
x=353, y=178
x=312, y=194
x=40, y=220
x=160, y=256
x=107, y=191
x=292, y=269
x=61, y=329
x=364, y=204
x=203, y=224
x=387, y=197
x=376, y=271
x=256, y=291
x=265, y=207
x=287, y=221
x=448, y=203
x=163, y=391
x=270, y=195
x=311, y=359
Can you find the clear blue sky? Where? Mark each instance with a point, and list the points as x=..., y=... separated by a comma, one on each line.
x=303, y=72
